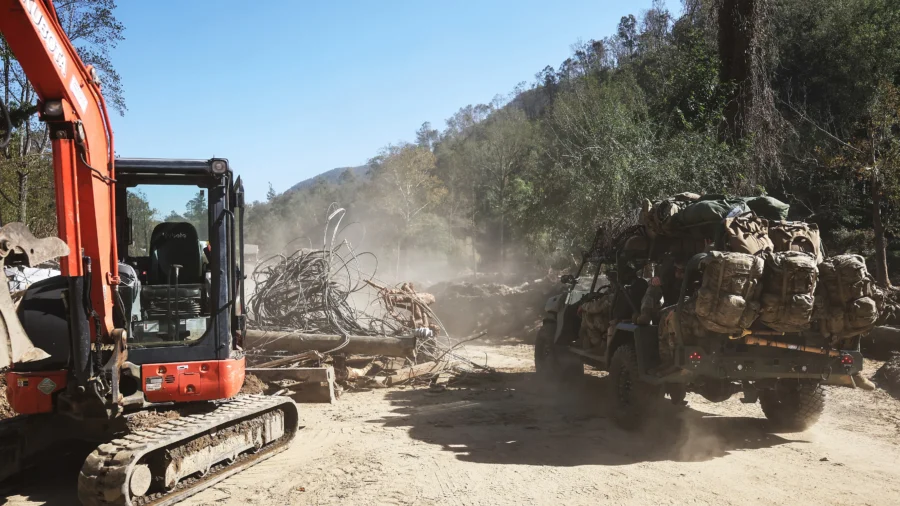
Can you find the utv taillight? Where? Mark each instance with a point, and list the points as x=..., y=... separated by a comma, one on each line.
x=846, y=360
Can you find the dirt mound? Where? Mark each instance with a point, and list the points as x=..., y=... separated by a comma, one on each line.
x=466, y=308
x=148, y=419
x=5, y=409
x=888, y=376
x=252, y=385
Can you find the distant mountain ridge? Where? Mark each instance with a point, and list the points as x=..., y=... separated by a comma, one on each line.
x=331, y=176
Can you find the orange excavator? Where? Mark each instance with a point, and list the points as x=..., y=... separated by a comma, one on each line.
x=125, y=330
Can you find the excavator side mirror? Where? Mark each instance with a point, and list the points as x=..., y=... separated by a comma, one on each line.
x=567, y=279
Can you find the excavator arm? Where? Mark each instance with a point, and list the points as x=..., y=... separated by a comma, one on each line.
x=71, y=103
x=90, y=394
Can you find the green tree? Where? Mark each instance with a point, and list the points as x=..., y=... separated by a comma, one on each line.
x=502, y=153
x=142, y=221
x=874, y=158
x=197, y=215
x=407, y=190
x=174, y=217
x=427, y=137
x=26, y=174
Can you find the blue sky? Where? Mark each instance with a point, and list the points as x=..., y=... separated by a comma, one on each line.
x=289, y=89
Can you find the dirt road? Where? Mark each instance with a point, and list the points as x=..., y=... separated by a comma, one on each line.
x=503, y=440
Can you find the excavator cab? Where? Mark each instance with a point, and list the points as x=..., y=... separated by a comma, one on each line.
x=180, y=303
x=181, y=275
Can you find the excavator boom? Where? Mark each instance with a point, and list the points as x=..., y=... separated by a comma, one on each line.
x=73, y=107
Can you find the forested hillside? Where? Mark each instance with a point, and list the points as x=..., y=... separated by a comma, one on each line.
x=797, y=99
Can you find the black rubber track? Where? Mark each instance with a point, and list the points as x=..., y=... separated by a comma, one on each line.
x=105, y=477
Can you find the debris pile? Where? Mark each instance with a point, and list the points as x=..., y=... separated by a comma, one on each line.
x=319, y=321
x=309, y=291
x=495, y=308
x=313, y=291
x=413, y=306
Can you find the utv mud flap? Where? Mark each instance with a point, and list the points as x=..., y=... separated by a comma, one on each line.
x=646, y=342
x=16, y=241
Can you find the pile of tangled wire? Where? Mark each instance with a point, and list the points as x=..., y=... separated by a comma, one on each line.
x=309, y=290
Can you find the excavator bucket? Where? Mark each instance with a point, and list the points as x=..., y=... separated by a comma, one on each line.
x=19, y=245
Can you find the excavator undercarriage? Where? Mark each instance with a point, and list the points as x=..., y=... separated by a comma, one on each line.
x=166, y=463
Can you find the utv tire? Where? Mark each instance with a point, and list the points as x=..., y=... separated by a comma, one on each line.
x=553, y=363
x=793, y=408
x=633, y=400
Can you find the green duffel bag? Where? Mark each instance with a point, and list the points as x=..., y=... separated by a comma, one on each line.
x=769, y=208
x=702, y=218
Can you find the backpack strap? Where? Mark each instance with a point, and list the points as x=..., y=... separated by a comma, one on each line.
x=719, y=285
x=840, y=283
x=784, y=289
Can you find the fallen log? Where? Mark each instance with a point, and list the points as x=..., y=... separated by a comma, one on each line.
x=414, y=371
x=296, y=342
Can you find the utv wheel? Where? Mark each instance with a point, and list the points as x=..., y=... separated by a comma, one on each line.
x=633, y=400
x=677, y=393
x=552, y=362
x=793, y=407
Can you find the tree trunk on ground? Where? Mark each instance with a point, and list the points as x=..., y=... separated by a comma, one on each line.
x=297, y=342
x=881, y=269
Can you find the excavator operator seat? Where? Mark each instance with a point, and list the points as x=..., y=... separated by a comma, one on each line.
x=166, y=297
x=174, y=244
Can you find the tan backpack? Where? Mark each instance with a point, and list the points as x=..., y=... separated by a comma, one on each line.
x=595, y=319
x=796, y=236
x=846, y=305
x=789, y=286
x=747, y=233
x=727, y=301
